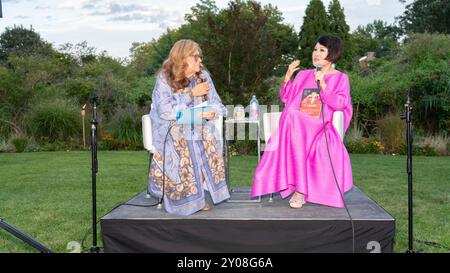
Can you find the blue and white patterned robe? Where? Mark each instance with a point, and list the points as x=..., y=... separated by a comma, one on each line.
x=190, y=153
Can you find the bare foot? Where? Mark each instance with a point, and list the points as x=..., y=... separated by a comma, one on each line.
x=207, y=207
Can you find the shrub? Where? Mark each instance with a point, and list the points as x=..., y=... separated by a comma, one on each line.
x=125, y=130
x=421, y=67
x=418, y=150
x=19, y=143
x=392, y=132
x=56, y=120
x=439, y=142
x=364, y=146
x=68, y=145
x=244, y=147
x=3, y=146
x=431, y=145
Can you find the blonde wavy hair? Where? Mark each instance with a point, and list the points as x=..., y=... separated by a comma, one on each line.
x=174, y=66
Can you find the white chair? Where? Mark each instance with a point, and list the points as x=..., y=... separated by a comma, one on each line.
x=147, y=138
x=271, y=120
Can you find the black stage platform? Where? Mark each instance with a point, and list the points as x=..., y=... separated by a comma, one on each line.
x=251, y=227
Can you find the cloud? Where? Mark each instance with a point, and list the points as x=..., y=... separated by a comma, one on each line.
x=42, y=7
x=118, y=8
x=14, y=1
x=294, y=9
x=99, y=8
x=373, y=2
x=152, y=16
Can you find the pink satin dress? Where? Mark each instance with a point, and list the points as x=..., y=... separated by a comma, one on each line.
x=296, y=157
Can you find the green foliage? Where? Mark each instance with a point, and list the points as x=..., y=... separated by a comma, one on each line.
x=20, y=143
x=315, y=24
x=147, y=58
x=426, y=16
x=125, y=129
x=364, y=146
x=246, y=47
x=243, y=45
x=421, y=67
x=244, y=147
x=438, y=144
x=82, y=53
x=22, y=42
x=378, y=37
x=254, y=39
x=77, y=88
x=56, y=120
x=392, y=132
x=356, y=143
x=339, y=27
x=141, y=92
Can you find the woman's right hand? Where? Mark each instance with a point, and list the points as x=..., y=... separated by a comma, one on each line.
x=291, y=69
x=200, y=89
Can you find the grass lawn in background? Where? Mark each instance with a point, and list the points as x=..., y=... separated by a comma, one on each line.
x=47, y=195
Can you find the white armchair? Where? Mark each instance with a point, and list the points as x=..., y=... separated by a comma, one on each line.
x=147, y=138
x=271, y=120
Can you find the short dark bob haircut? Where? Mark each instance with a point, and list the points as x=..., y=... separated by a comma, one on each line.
x=334, y=45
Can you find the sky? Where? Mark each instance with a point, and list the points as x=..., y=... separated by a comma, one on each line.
x=114, y=25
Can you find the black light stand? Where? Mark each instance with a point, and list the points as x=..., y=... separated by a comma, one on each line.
x=22, y=236
x=409, y=141
x=94, y=122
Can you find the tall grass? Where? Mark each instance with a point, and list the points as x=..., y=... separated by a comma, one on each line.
x=56, y=120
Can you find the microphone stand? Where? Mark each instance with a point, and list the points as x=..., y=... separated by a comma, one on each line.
x=409, y=140
x=94, y=168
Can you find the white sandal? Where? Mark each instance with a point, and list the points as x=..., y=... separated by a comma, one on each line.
x=297, y=201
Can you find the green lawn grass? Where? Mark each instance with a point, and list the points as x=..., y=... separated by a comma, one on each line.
x=48, y=194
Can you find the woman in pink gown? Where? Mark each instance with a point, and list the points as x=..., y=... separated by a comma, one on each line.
x=296, y=159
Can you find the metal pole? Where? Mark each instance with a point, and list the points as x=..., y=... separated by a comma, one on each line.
x=94, y=122
x=410, y=178
x=409, y=141
x=83, y=113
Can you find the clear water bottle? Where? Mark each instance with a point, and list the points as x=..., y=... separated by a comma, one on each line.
x=253, y=109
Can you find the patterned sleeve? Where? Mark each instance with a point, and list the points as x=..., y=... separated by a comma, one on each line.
x=167, y=102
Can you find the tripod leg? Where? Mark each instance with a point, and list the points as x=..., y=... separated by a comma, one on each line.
x=22, y=236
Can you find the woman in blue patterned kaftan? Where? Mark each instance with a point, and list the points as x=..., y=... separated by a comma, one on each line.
x=193, y=153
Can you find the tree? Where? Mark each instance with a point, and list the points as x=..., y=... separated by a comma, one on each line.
x=339, y=27
x=22, y=42
x=426, y=16
x=246, y=43
x=378, y=37
x=242, y=46
x=147, y=58
x=315, y=24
